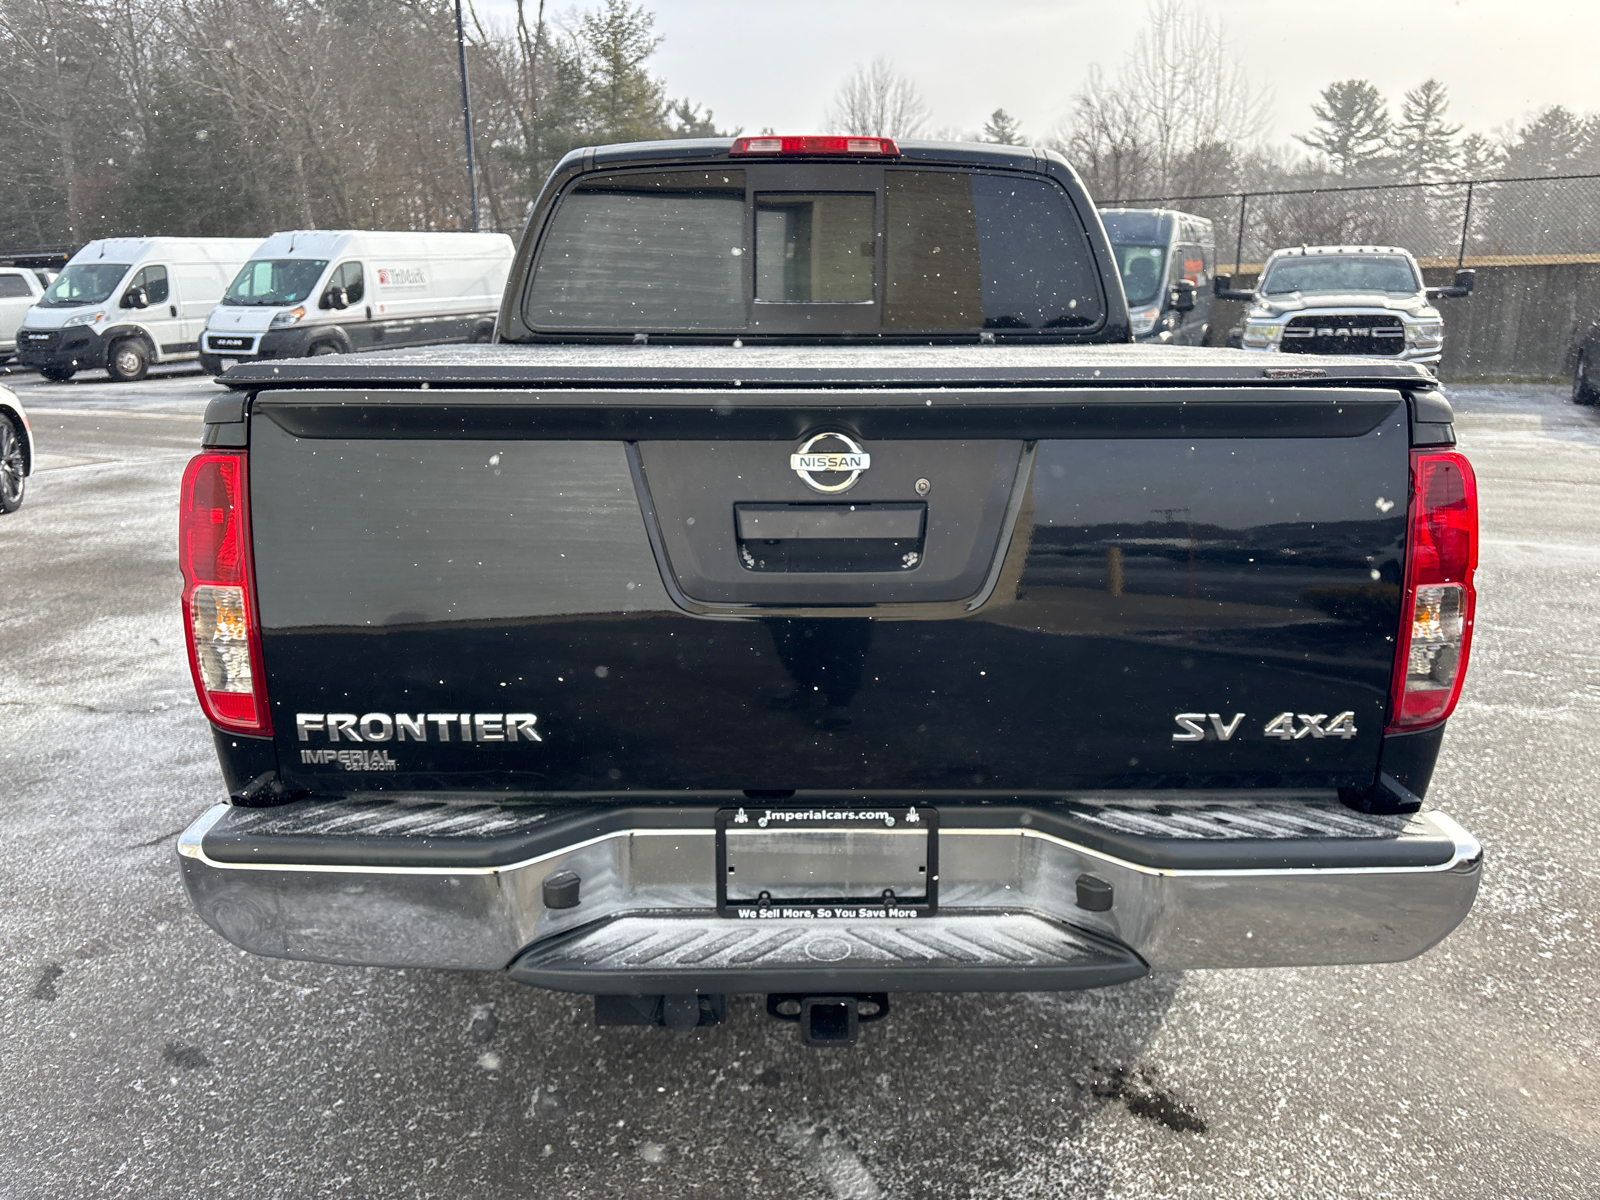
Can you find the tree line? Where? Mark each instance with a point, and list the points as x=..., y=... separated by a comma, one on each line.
x=239, y=117
x=1134, y=137
x=1180, y=117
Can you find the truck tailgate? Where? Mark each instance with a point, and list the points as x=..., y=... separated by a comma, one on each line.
x=535, y=591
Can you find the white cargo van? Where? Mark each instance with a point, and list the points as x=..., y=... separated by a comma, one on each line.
x=337, y=291
x=125, y=303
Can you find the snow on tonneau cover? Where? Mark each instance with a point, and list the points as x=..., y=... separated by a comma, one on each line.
x=881, y=552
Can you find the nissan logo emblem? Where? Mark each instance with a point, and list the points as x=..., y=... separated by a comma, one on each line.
x=833, y=454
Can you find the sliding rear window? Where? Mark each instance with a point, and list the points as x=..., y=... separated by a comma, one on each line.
x=895, y=251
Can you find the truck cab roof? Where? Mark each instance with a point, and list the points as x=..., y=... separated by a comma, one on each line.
x=686, y=150
x=813, y=239
x=1313, y=251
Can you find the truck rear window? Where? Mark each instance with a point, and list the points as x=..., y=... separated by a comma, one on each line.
x=924, y=251
x=969, y=250
x=644, y=251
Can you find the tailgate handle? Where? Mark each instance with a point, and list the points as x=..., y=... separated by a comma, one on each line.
x=816, y=522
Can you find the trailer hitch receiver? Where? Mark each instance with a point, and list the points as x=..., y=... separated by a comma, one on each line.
x=829, y=1020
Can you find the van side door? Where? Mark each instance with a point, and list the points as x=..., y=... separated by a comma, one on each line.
x=356, y=317
x=160, y=313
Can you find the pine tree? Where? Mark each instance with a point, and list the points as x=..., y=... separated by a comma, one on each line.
x=1548, y=145
x=1002, y=128
x=1423, y=143
x=1355, y=128
x=689, y=122
x=1477, y=157
x=624, y=103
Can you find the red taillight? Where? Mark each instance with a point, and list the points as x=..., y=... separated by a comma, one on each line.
x=817, y=146
x=1438, y=601
x=219, y=603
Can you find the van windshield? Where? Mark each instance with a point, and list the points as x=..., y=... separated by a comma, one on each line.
x=1142, y=269
x=84, y=283
x=273, y=281
x=1344, y=273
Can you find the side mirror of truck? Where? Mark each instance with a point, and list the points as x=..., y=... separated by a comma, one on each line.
x=1222, y=288
x=1183, y=295
x=1461, y=287
x=336, y=297
x=135, y=297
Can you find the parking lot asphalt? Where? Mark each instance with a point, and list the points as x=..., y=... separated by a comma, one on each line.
x=140, y=1055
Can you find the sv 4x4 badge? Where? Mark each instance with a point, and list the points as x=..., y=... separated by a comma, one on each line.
x=1286, y=726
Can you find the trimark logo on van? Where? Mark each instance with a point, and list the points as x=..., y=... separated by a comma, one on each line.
x=402, y=277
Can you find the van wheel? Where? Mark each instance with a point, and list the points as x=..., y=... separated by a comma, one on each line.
x=322, y=348
x=13, y=480
x=129, y=360
x=1583, y=391
x=58, y=374
x=211, y=364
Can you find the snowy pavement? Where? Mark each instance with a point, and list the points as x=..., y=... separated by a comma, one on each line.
x=140, y=1055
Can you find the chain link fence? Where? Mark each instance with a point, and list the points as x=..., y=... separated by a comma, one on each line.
x=1463, y=222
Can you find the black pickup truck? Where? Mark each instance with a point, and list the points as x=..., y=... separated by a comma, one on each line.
x=812, y=594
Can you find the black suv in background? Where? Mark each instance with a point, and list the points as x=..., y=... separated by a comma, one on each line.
x=1586, y=366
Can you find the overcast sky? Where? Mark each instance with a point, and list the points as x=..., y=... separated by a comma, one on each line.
x=778, y=63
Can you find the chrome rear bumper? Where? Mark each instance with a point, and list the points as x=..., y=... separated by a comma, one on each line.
x=1208, y=883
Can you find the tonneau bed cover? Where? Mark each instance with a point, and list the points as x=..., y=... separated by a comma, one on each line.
x=822, y=366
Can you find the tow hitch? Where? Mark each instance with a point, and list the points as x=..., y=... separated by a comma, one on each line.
x=829, y=1020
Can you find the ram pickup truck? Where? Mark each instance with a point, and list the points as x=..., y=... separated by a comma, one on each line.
x=812, y=594
x=1365, y=300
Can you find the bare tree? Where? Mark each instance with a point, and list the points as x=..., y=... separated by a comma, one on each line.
x=58, y=83
x=275, y=64
x=1106, y=141
x=878, y=101
x=1174, y=115
x=204, y=117
x=1192, y=92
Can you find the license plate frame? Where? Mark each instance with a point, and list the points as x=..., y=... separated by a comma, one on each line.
x=827, y=862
